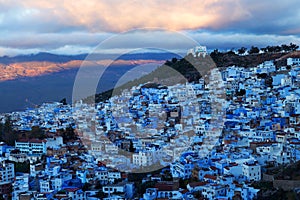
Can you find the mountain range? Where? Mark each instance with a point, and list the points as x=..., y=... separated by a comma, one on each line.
x=30, y=80
x=45, y=63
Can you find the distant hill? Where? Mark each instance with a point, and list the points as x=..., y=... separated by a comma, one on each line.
x=21, y=66
x=41, y=57
x=30, y=80
x=48, y=57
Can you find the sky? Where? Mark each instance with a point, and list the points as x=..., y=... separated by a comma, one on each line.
x=74, y=27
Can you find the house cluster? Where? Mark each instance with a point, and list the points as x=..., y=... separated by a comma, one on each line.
x=73, y=175
x=48, y=116
x=205, y=139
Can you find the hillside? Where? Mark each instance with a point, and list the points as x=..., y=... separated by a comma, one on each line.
x=225, y=60
x=188, y=68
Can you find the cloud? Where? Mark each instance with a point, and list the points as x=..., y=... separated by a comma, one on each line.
x=268, y=17
x=118, y=15
x=84, y=42
x=51, y=40
x=77, y=43
x=78, y=26
x=227, y=41
x=271, y=17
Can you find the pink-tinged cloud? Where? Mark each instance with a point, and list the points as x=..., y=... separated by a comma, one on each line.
x=119, y=15
x=76, y=26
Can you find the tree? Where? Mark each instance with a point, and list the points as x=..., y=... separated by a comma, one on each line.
x=242, y=50
x=64, y=101
x=183, y=183
x=100, y=194
x=270, y=49
x=241, y=92
x=254, y=50
x=293, y=47
x=230, y=52
x=23, y=167
x=285, y=48
x=264, y=49
x=215, y=52
x=86, y=186
x=8, y=134
x=167, y=176
x=141, y=188
x=174, y=60
x=36, y=132
x=68, y=134
x=8, y=125
x=277, y=48
x=168, y=63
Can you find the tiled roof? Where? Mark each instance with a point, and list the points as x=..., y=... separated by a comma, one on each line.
x=208, y=176
x=164, y=186
x=195, y=184
x=71, y=189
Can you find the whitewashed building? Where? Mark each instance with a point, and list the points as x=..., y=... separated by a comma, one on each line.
x=293, y=61
x=32, y=146
x=198, y=51
x=252, y=171
x=7, y=172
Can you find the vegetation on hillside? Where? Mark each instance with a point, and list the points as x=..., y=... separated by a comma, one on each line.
x=7, y=134
x=191, y=69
